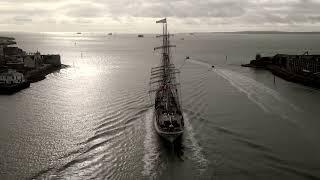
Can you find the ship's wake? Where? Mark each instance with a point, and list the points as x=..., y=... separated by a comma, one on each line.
x=266, y=98
x=193, y=144
x=150, y=144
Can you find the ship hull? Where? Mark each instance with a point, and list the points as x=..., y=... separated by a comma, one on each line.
x=169, y=136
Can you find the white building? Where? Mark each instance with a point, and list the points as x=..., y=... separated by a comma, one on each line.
x=11, y=77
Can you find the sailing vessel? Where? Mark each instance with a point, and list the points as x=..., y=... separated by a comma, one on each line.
x=168, y=117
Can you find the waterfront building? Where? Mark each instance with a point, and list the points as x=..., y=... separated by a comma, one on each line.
x=33, y=61
x=298, y=63
x=29, y=62
x=11, y=77
x=4, y=42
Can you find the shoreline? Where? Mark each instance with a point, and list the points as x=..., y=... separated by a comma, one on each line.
x=41, y=73
x=32, y=76
x=307, y=80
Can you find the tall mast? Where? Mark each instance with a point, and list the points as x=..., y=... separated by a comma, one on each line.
x=165, y=59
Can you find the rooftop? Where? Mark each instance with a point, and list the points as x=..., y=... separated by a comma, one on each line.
x=7, y=41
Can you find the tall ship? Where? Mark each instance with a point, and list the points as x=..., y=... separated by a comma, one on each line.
x=168, y=117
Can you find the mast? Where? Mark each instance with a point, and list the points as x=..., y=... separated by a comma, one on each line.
x=165, y=59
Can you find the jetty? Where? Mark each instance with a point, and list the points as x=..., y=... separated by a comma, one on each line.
x=303, y=69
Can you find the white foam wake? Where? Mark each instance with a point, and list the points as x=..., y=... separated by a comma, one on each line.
x=198, y=156
x=200, y=62
x=150, y=146
x=266, y=98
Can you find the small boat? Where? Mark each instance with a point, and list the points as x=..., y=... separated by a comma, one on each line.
x=109, y=34
x=140, y=36
x=168, y=117
x=79, y=33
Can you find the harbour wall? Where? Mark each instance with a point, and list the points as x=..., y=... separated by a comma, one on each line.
x=304, y=69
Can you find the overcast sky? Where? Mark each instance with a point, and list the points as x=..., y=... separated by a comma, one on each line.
x=139, y=15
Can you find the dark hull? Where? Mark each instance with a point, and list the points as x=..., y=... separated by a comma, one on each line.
x=167, y=135
x=11, y=89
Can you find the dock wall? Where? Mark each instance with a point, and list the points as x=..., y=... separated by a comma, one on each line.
x=304, y=69
x=52, y=59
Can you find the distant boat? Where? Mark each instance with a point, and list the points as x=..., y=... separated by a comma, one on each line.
x=140, y=35
x=109, y=34
x=182, y=39
x=79, y=33
x=191, y=33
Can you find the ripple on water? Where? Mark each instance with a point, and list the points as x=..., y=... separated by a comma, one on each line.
x=112, y=149
x=266, y=98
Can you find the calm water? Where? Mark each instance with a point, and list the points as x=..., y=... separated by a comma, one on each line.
x=94, y=119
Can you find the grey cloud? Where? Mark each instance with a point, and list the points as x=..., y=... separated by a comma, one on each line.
x=180, y=9
x=23, y=11
x=83, y=20
x=87, y=10
x=191, y=12
x=282, y=12
x=314, y=19
x=22, y=19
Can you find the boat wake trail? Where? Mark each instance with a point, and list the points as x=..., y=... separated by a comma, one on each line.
x=198, y=156
x=150, y=146
x=266, y=98
x=200, y=62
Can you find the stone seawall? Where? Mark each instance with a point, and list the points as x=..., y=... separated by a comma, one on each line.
x=286, y=68
x=40, y=73
x=52, y=59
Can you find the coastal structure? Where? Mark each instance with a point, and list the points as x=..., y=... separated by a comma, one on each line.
x=11, y=76
x=298, y=63
x=5, y=42
x=33, y=61
x=168, y=117
x=19, y=68
x=12, y=81
x=304, y=68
